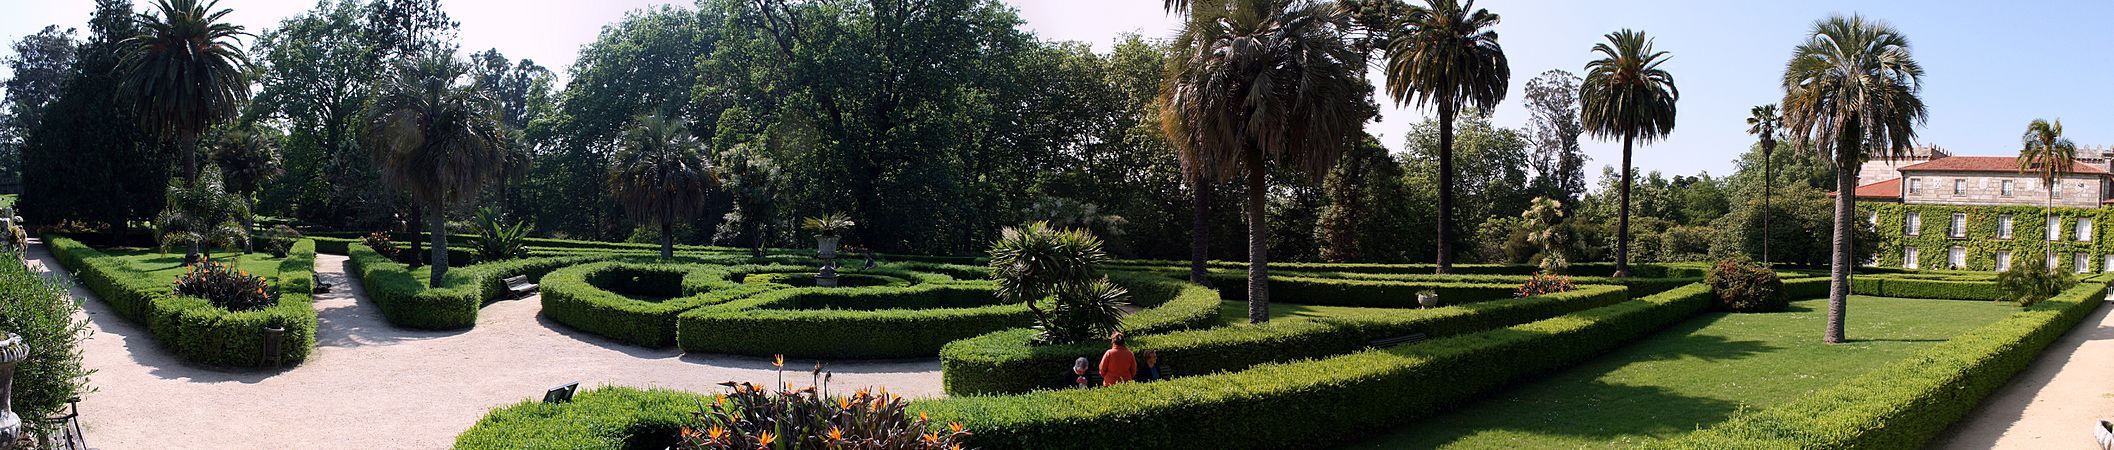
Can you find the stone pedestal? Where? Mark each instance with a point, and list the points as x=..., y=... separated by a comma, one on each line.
x=12, y=352
x=826, y=249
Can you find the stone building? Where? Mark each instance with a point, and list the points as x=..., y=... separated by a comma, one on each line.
x=1930, y=176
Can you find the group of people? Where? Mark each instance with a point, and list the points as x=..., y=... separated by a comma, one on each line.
x=1118, y=365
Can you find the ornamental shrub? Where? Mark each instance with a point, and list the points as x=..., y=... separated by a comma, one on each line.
x=226, y=287
x=1037, y=261
x=496, y=240
x=2027, y=284
x=754, y=417
x=379, y=241
x=38, y=310
x=1739, y=285
x=1543, y=284
x=278, y=239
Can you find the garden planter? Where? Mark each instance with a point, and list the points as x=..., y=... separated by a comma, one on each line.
x=1428, y=299
x=826, y=247
x=274, y=345
x=12, y=352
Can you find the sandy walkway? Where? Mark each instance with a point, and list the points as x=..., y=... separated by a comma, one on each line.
x=373, y=386
x=2054, y=403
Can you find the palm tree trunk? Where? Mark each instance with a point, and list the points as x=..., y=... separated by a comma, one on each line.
x=1445, y=259
x=1839, y=272
x=1767, y=181
x=755, y=232
x=1258, y=243
x=249, y=224
x=418, y=257
x=440, y=247
x=2048, y=215
x=667, y=239
x=1622, y=228
x=188, y=144
x=1199, y=234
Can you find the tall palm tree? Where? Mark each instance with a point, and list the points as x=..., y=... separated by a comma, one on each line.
x=1199, y=182
x=1261, y=82
x=247, y=159
x=437, y=138
x=2044, y=151
x=1762, y=121
x=185, y=73
x=1851, y=89
x=1444, y=56
x=660, y=176
x=1626, y=95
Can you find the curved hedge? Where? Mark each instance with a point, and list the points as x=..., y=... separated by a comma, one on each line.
x=406, y=302
x=191, y=327
x=1906, y=404
x=869, y=322
x=606, y=418
x=571, y=296
x=1004, y=362
x=1309, y=403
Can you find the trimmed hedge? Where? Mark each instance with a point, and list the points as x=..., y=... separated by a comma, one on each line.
x=1906, y=404
x=571, y=297
x=1675, y=270
x=1309, y=403
x=869, y=322
x=1004, y=362
x=610, y=418
x=405, y=302
x=1892, y=286
x=1366, y=293
x=191, y=327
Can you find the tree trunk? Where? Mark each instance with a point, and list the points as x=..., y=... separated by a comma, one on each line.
x=188, y=144
x=1767, y=181
x=440, y=247
x=667, y=239
x=1258, y=243
x=1445, y=259
x=418, y=257
x=1199, y=232
x=249, y=224
x=755, y=232
x=1622, y=227
x=1839, y=273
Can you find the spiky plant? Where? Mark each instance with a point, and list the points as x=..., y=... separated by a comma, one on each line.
x=1036, y=261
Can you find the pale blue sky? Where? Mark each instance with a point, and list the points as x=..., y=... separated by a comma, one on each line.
x=1993, y=66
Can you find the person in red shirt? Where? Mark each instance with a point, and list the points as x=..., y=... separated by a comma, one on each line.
x=1118, y=365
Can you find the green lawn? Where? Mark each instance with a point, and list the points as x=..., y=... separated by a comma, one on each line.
x=170, y=264
x=1236, y=311
x=1696, y=373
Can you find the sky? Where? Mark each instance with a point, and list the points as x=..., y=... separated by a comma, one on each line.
x=1992, y=67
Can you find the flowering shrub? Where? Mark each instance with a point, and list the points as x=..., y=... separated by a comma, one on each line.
x=1742, y=286
x=1543, y=283
x=753, y=417
x=278, y=239
x=379, y=241
x=226, y=287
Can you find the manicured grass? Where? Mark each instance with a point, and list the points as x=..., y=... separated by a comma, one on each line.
x=1236, y=311
x=1696, y=374
x=170, y=264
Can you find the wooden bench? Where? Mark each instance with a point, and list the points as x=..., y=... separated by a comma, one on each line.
x=519, y=286
x=1398, y=340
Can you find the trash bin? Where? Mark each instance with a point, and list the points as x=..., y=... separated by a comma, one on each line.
x=274, y=345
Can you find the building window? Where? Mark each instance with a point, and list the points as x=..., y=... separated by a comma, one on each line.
x=1915, y=185
x=2004, y=226
x=2106, y=264
x=2053, y=262
x=2004, y=260
x=1959, y=186
x=2083, y=262
x=1957, y=258
x=2084, y=229
x=2004, y=189
x=2056, y=189
x=2055, y=229
x=1914, y=225
x=1908, y=257
x=1959, y=225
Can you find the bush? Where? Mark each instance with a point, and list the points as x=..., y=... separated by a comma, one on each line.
x=753, y=417
x=225, y=287
x=1544, y=284
x=1309, y=403
x=574, y=296
x=191, y=327
x=2027, y=284
x=1745, y=287
x=381, y=244
x=1002, y=362
x=498, y=241
x=278, y=239
x=609, y=418
x=1906, y=404
x=1038, y=261
x=1305, y=289
x=869, y=322
x=406, y=302
x=40, y=312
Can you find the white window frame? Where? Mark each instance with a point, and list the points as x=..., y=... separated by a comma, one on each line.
x=2083, y=262
x=1915, y=185
x=2084, y=229
x=1909, y=258
x=1956, y=258
x=1913, y=225
x=2054, y=262
x=2055, y=228
x=1958, y=228
x=2005, y=189
x=2004, y=226
x=1959, y=186
x=2106, y=264
x=2004, y=260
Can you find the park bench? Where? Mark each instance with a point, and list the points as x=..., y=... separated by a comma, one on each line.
x=519, y=286
x=1398, y=340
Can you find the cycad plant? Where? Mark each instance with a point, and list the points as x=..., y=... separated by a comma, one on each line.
x=201, y=214
x=435, y=137
x=660, y=176
x=1036, y=262
x=1627, y=96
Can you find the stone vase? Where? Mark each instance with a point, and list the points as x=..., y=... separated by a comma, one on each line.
x=12, y=352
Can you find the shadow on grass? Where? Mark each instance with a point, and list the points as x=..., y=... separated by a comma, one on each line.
x=1611, y=411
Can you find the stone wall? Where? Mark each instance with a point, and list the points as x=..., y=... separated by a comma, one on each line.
x=1986, y=188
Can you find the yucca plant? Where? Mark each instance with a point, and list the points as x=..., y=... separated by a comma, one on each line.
x=499, y=241
x=198, y=214
x=830, y=224
x=1038, y=261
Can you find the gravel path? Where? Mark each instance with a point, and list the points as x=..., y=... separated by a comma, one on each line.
x=373, y=386
x=2055, y=402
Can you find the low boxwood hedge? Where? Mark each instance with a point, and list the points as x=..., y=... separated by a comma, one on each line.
x=192, y=328
x=574, y=296
x=1677, y=270
x=1366, y=293
x=1896, y=286
x=1906, y=404
x=869, y=322
x=611, y=418
x=405, y=302
x=1309, y=403
x=1004, y=363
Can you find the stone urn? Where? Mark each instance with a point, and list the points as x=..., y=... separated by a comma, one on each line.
x=826, y=246
x=12, y=352
x=1428, y=299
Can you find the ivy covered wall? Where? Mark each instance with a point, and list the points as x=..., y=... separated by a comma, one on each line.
x=2028, y=242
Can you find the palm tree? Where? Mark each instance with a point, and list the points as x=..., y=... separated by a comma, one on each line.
x=1851, y=89
x=660, y=176
x=247, y=159
x=1762, y=121
x=1444, y=56
x=1261, y=82
x=1626, y=95
x=435, y=137
x=2045, y=152
x=184, y=72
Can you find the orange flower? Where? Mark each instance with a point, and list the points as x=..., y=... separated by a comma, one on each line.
x=765, y=439
x=843, y=403
x=719, y=398
x=716, y=432
x=922, y=418
x=956, y=426
x=932, y=438
x=955, y=446
x=778, y=360
x=835, y=434
x=691, y=433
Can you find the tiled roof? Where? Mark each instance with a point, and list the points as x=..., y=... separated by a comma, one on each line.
x=1883, y=190
x=1988, y=164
